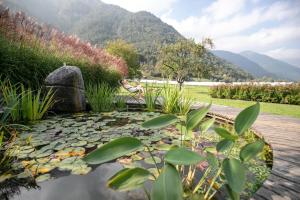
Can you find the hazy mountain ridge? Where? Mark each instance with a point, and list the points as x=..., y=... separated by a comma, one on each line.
x=244, y=63
x=281, y=69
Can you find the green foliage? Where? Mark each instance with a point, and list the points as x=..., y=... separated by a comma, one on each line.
x=128, y=52
x=170, y=99
x=151, y=97
x=182, y=156
x=284, y=94
x=246, y=118
x=251, y=150
x=128, y=179
x=224, y=133
x=179, y=60
x=173, y=181
x=235, y=174
x=28, y=105
x=21, y=63
x=120, y=103
x=101, y=97
x=194, y=117
x=160, y=122
x=168, y=185
x=112, y=150
x=175, y=100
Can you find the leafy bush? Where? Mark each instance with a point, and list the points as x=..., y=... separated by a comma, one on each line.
x=101, y=97
x=29, y=52
x=173, y=182
x=284, y=94
x=25, y=104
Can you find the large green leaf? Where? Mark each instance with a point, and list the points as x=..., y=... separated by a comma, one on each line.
x=225, y=134
x=246, y=118
x=112, y=150
x=168, y=185
x=249, y=151
x=233, y=195
x=194, y=117
x=128, y=179
x=160, y=122
x=235, y=174
x=207, y=124
x=223, y=145
x=182, y=156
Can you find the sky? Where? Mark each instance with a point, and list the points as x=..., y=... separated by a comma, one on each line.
x=271, y=27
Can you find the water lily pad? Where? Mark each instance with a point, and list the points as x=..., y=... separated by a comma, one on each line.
x=81, y=170
x=149, y=160
x=79, y=144
x=43, y=178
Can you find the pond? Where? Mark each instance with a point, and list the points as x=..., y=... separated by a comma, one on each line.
x=52, y=149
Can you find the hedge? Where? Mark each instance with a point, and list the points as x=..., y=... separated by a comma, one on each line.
x=284, y=94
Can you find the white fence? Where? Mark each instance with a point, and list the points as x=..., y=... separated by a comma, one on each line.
x=195, y=83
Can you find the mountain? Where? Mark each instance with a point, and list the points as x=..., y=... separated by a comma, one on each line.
x=97, y=22
x=244, y=63
x=281, y=69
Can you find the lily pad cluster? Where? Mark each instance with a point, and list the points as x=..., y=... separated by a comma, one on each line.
x=60, y=142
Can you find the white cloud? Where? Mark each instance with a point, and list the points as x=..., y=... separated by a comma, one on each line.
x=221, y=9
x=155, y=6
x=290, y=55
x=235, y=29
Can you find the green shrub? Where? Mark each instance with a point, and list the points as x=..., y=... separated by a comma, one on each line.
x=284, y=94
x=101, y=97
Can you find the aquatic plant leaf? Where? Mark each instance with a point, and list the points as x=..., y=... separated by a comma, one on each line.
x=235, y=174
x=223, y=145
x=160, y=122
x=204, y=126
x=182, y=156
x=81, y=170
x=225, y=134
x=195, y=117
x=249, y=151
x=168, y=185
x=128, y=179
x=233, y=195
x=149, y=160
x=246, y=118
x=43, y=178
x=112, y=150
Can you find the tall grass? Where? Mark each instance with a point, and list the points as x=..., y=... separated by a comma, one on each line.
x=101, y=97
x=174, y=100
x=151, y=98
x=30, y=51
x=25, y=104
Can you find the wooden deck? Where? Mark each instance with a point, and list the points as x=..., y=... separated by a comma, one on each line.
x=283, y=134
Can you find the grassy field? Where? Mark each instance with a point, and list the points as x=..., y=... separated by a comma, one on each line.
x=201, y=94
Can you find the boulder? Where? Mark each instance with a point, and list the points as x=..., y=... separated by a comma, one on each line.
x=68, y=85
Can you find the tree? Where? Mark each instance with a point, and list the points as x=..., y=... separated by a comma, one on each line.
x=128, y=52
x=183, y=58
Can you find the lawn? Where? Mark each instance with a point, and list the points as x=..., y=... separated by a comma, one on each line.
x=201, y=93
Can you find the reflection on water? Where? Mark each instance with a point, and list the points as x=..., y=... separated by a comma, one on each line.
x=75, y=187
